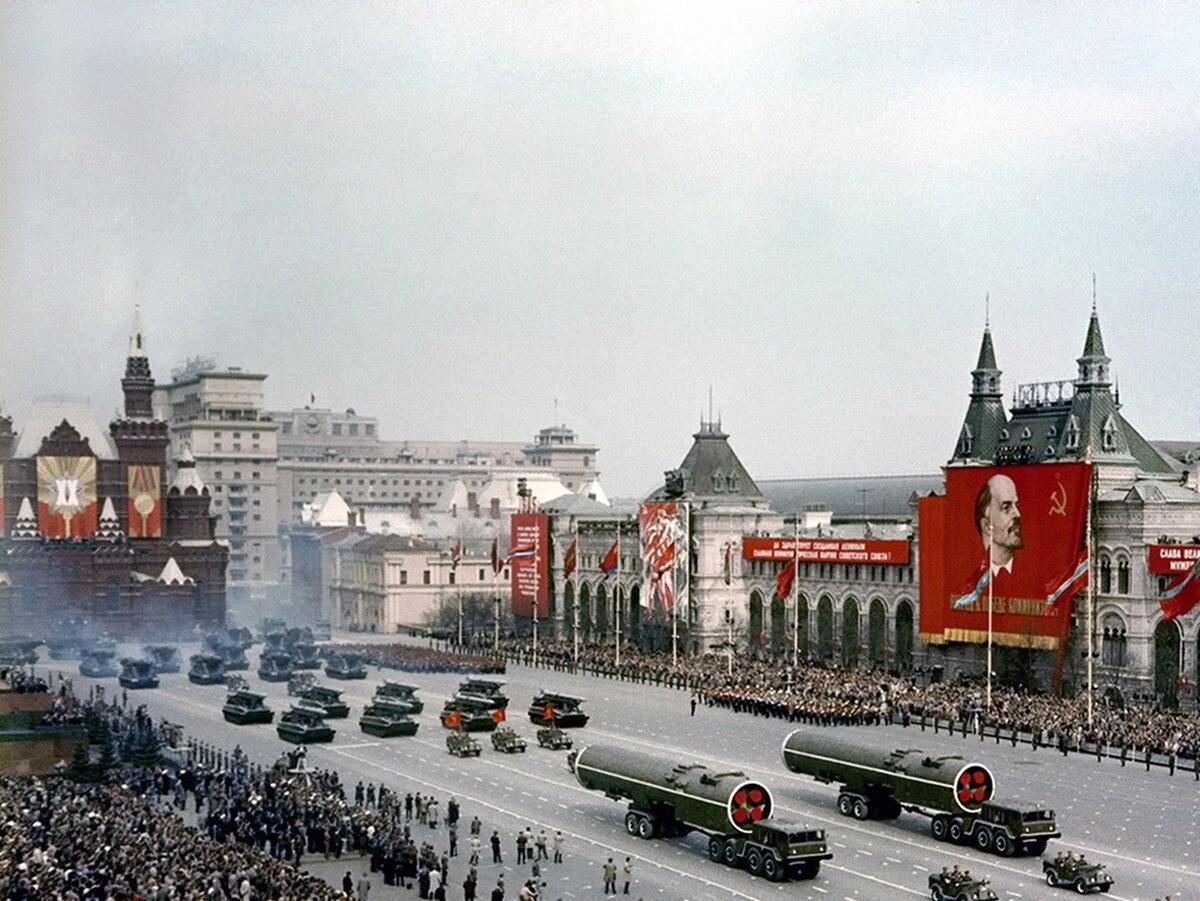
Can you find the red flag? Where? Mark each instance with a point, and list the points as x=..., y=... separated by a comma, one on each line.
x=608, y=562
x=455, y=555
x=548, y=713
x=783, y=581
x=497, y=564
x=569, y=559
x=498, y=715
x=1073, y=581
x=452, y=720
x=1181, y=595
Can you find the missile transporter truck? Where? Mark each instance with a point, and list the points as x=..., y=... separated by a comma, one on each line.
x=955, y=794
x=670, y=799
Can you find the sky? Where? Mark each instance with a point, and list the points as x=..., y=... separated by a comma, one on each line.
x=475, y=220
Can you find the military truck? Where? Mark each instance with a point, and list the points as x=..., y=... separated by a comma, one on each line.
x=1069, y=871
x=303, y=726
x=506, y=741
x=275, y=666
x=561, y=709
x=959, y=885
x=387, y=718
x=553, y=738
x=460, y=744
x=955, y=794
x=667, y=799
x=472, y=713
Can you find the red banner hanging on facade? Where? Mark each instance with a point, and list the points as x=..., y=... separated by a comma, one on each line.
x=1171, y=559
x=67, y=497
x=529, y=563
x=1005, y=533
x=825, y=550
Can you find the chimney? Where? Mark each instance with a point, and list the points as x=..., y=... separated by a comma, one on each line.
x=414, y=508
x=351, y=519
x=472, y=502
x=495, y=512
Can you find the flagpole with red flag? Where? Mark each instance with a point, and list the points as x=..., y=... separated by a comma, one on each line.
x=617, y=600
x=1091, y=593
x=796, y=593
x=575, y=605
x=496, y=589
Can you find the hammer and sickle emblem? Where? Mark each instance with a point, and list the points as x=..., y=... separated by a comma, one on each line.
x=1058, y=500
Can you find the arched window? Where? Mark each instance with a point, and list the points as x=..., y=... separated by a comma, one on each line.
x=1108, y=434
x=1105, y=575
x=1072, y=433
x=1122, y=577
x=1112, y=641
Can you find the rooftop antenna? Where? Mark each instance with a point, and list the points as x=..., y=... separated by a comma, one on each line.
x=987, y=310
x=1093, y=293
x=555, y=420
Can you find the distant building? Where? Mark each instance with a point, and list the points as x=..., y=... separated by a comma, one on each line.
x=92, y=527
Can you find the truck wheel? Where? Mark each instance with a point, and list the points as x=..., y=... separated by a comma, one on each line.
x=983, y=838
x=939, y=827
x=956, y=831
x=1051, y=879
x=771, y=868
x=845, y=805
x=729, y=853
x=1038, y=847
x=715, y=845
x=646, y=827
x=935, y=894
x=1003, y=845
x=861, y=810
x=809, y=869
x=631, y=823
x=754, y=861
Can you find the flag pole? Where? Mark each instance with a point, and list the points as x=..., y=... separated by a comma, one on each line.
x=796, y=592
x=458, y=591
x=728, y=625
x=575, y=606
x=617, y=599
x=991, y=580
x=1091, y=594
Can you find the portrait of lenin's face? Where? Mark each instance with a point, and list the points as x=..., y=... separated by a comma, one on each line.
x=998, y=518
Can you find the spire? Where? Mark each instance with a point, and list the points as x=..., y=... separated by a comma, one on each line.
x=985, y=417
x=1093, y=365
x=137, y=343
x=985, y=378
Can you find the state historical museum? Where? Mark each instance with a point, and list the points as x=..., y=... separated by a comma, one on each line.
x=90, y=530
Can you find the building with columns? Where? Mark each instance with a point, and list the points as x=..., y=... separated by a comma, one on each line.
x=91, y=528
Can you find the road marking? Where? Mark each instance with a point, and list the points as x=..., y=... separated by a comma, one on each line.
x=362, y=744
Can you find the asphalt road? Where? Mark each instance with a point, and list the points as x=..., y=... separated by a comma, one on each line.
x=1143, y=826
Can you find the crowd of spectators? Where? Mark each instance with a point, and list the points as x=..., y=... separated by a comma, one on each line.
x=14, y=678
x=831, y=695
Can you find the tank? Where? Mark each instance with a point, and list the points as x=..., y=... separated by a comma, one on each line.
x=302, y=726
x=242, y=707
x=669, y=798
x=206, y=669
x=956, y=794
x=165, y=657
x=386, y=718
x=346, y=665
x=98, y=664
x=275, y=666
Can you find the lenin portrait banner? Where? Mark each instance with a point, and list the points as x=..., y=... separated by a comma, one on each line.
x=66, y=497
x=529, y=563
x=663, y=533
x=1013, y=534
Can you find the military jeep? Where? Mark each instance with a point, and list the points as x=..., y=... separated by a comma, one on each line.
x=507, y=741
x=553, y=738
x=959, y=885
x=460, y=744
x=1069, y=871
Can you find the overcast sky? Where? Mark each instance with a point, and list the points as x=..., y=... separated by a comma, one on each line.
x=450, y=215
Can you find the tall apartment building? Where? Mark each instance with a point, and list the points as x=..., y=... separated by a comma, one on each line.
x=219, y=415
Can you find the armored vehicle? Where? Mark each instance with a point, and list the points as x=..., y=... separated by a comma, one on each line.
x=956, y=795
x=165, y=657
x=668, y=799
x=98, y=663
x=460, y=744
x=63, y=648
x=304, y=656
x=236, y=682
x=492, y=689
x=322, y=630
x=206, y=669
x=303, y=726
x=137, y=674
x=553, y=738
x=230, y=650
x=471, y=713
x=346, y=665
x=1069, y=871
x=959, y=885
x=242, y=707
x=275, y=666
x=328, y=699
x=507, y=741
x=401, y=691
x=386, y=718
x=19, y=650
x=563, y=710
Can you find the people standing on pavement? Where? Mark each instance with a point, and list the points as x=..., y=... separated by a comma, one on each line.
x=364, y=886
x=558, y=845
x=610, y=877
x=627, y=872
x=469, y=885
x=475, y=846
x=496, y=858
